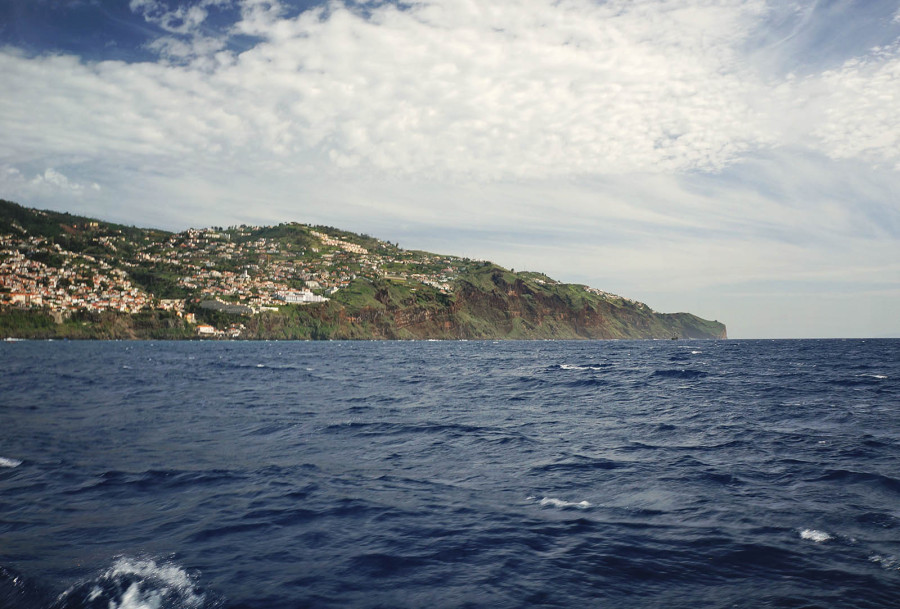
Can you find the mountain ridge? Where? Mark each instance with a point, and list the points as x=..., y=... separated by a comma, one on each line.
x=68, y=276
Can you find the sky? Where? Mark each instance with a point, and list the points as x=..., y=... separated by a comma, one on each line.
x=736, y=159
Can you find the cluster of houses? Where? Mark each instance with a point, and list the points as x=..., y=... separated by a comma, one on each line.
x=265, y=274
x=208, y=331
x=611, y=296
x=261, y=273
x=81, y=282
x=339, y=243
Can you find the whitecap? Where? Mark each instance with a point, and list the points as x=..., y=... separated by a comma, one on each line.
x=559, y=503
x=696, y=352
x=887, y=562
x=135, y=598
x=137, y=584
x=171, y=574
x=814, y=535
x=577, y=367
x=880, y=377
x=7, y=462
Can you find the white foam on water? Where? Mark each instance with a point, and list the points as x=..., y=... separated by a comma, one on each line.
x=7, y=462
x=576, y=367
x=696, y=352
x=171, y=575
x=814, y=535
x=135, y=598
x=132, y=583
x=559, y=503
x=880, y=377
x=887, y=562
x=95, y=593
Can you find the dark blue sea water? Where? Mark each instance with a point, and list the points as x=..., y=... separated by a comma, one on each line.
x=674, y=474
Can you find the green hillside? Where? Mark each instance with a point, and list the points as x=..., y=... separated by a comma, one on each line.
x=68, y=276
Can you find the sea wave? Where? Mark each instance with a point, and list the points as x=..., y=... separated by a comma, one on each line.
x=583, y=366
x=7, y=462
x=155, y=479
x=815, y=535
x=891, y=563
x=560, y=503
x=138, y=583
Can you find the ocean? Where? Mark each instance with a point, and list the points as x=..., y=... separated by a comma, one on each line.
x=268, y=475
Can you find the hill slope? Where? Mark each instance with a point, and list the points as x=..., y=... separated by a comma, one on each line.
x=70, y=276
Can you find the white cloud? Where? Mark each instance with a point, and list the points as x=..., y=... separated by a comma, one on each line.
x=182, y=20
x=858, y=108
x=45, y=185
x=200, y=51
x=457, y=90
x=526, y=88
x=262, y=18
x=52, y=177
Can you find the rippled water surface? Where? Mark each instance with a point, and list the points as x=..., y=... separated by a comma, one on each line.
x=450, y=474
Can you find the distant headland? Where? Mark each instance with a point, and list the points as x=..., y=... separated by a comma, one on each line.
x=66, y=276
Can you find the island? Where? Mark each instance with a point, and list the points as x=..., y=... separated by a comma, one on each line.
x=65, y=276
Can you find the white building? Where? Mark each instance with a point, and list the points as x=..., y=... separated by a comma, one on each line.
x=301, y=297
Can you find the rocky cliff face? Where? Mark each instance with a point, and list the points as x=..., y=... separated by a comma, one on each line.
x=517, y=310
x=507, y=310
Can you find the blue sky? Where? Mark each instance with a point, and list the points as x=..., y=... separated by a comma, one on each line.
x=739, y=159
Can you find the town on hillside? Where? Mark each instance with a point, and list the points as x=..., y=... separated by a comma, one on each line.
x=97, y=267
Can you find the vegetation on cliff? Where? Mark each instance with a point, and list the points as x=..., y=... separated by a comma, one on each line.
x=64, y=276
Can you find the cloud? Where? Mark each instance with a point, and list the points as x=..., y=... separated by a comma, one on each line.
x=857, y=107
x=184, y=19
x=48, y=184
x=187, y=38
x=520, y=89
x=55, y=179
x=802, y=218
x=198, y=50
x=450, y=90
x=528, y=88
